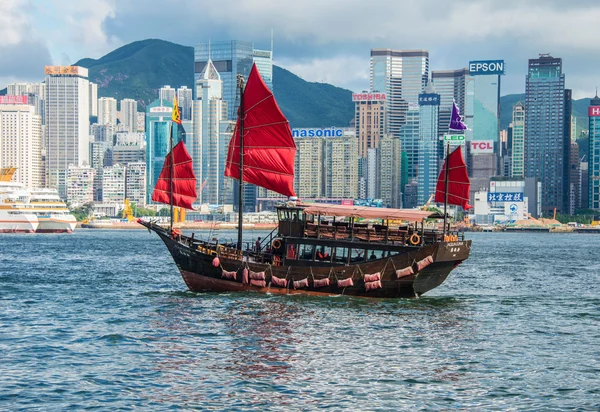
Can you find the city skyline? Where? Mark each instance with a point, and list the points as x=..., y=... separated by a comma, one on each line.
x=312, y=40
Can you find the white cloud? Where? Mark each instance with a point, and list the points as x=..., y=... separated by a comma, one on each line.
x=343, y=71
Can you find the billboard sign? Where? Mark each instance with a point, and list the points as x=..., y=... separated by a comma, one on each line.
x=594, y=111
x=332, y=132
x=454, y=137
x=62, y=70
x=161, y=109
x=481, y=146
x=368, y=97
x=429, y=99
x=9, y=99
x=483, y=67
x=505, y=197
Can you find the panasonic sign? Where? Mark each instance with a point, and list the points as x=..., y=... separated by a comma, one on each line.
x=332, y=132
x=482, y=67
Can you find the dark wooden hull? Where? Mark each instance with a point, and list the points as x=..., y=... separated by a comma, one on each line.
x=199, y=274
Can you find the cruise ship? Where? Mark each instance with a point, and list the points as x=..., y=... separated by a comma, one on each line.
x=15, y=214
x=52, y=213
x=24, y=210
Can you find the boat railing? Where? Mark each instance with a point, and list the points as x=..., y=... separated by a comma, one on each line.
x=381, y=233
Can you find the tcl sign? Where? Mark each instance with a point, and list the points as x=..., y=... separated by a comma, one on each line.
x=482, y=146
x=594, y=111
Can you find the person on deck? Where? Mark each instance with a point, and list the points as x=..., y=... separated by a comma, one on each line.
x=257, y=245
x=372, y=256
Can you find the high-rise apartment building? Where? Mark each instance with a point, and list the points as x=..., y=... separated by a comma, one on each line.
x=184, y=101
x=309, y=167
x=545, y=147
x=21, y=141
x=593, y=167
x=135, y=183
x=211, y=136
x=389, y=172
x=518, y=141
x=231, y=58
x=93, y=99
x=428, y=161
x=167, y=93
x=129, y=115
x=341, y=164
x=401, y=75
x=100, y=156
x=107, y=111
x=67, y=123
x=79, y=184
x=369, y=120
x=113, y=184
x=35, y=92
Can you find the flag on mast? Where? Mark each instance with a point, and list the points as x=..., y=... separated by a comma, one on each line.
x=176, y=116
x=456, y=122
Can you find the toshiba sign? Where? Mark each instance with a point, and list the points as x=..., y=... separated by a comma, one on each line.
x=594, y=111
x=482, y=146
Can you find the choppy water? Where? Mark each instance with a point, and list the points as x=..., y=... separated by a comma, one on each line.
x=102, y=320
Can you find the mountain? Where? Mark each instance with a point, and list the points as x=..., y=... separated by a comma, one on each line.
x=139, y=69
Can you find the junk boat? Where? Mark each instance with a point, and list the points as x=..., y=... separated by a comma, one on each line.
x=315, y=249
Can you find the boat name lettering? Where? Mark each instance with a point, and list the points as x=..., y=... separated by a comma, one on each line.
x=455, y=244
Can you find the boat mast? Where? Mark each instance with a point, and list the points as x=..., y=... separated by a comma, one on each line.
x=446, y=187
x=240, y=84
x=171, y=172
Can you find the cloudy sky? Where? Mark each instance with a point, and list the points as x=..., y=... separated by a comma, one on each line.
x=320, y=40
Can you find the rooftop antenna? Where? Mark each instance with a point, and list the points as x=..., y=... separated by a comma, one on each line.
x=208, y=49
x=271, y=45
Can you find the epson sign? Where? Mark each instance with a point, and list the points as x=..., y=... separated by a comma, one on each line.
x=480, y=67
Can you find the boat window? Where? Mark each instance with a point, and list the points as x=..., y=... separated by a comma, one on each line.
x=375, y=254
x=292, y=252
x=309, y=218
x=306, y=252
x=357, y=255
x=324, y=253
x=341, y=255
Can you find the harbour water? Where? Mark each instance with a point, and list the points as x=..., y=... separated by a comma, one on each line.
x=102, y=320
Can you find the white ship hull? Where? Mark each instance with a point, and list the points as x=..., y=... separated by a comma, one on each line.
x=21, y=223
x=56, y=224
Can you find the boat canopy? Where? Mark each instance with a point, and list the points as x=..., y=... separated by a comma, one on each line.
x=367, y=212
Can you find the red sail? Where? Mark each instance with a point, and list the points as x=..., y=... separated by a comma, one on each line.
x=184, y=180
x=459, y=185
x=269, y=149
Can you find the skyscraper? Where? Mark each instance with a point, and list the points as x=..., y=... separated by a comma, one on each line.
x=309, y=167
x=184, y=100
x=93, y=99
x=341, y=163
x=107, y=111
x=67, y=123
x=518, y=140
x=210, y=141
x=35, y=92
x=167, y=93
x=21, y=141
x=427, y=173
x=369, y=120
x=545, y=153
x=231, y=58
x=401, y=75
x=594, y=154
x=389, y=171
x=129, y=115
x=451, y=85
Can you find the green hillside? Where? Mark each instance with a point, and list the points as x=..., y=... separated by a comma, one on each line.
x=139, y=69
